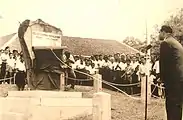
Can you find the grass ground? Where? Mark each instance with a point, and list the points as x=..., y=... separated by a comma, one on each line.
x=123, y=107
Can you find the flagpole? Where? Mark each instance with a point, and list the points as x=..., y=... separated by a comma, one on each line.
x=146, y=80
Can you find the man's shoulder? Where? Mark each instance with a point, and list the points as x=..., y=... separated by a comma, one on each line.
x=171, y=40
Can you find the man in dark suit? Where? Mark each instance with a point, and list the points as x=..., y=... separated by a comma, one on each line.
x=171, y=72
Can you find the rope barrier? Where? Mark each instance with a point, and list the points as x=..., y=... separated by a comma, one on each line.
x=95, y=78
x=153, y=90
x=123, y=85
x=157, y=86
x=6, y=79
x=79, y=79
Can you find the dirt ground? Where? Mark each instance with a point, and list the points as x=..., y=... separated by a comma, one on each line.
x=123, y=107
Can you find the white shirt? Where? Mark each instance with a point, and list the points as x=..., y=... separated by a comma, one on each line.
x=4, y=56
x=71, y=58
x=105, y=64
x=0, y=60
x=76, y=64
x=101, y=62
x=134, y=65
x=156, y=67
x=123, y=65
x=81, y=66
x=20, y=66
x=11, y=62
x=88, y=68
x=142, y=69
x=112, y=65
x=117, y=64
x=96, y=63
x=145, y=68
x=93, y=71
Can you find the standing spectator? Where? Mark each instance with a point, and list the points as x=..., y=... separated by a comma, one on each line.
x=4, y=58
x=128, y=77
x=20, y=77
x=69, y=61
x=10, y=67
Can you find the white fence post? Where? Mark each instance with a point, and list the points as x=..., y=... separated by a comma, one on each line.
x=97, y=83
x=143, y=90
x=101, y=106
x=62, y=81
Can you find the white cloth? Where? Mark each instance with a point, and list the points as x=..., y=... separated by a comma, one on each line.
x=96, y=63
x=112, y=65
x=134, y=65
x=142, y=69
x=117, y=66
x=4, y=57
x=106, y=64
x=0, y=60
x=20, y=66
x=156, y=67
x=71, y=58
x=100, y=62
x=93, y=71
x=76, y=64
x=81, y=66
x=11, y=62
x=122, y=65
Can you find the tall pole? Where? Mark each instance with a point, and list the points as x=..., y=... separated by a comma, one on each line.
x=147, y=74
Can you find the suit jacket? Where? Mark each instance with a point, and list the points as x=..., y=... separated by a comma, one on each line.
x=171, y=62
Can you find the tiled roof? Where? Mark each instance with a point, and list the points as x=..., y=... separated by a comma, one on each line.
x=89, y=46
x=5, y=39
x=83, y=46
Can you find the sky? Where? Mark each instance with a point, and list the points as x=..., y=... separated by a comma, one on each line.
x=105, y=19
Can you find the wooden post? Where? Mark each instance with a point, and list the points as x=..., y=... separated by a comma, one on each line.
x=97, y=83
x=62, y=81
x=101, y=106
x=145, y=89
x=14, y=78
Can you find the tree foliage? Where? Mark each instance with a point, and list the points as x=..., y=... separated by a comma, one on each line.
x=176, y=22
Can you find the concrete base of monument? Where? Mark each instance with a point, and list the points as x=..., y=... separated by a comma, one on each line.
x=41, y=105
x=41, y=93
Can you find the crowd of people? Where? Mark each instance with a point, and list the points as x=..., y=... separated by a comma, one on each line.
x=118, y=69
x=12, y=68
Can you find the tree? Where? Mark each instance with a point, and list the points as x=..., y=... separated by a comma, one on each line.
x=176, y=22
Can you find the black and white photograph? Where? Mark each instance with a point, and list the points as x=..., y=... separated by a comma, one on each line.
x=91, y=60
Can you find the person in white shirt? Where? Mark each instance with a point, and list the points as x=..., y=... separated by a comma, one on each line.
x=100, y=61
x=93, y=70
x=20, y=77
x=134, y=62
x=112, y=63
x=128, y=76
x=143, y=71
x=10, y=67
x=4, y=58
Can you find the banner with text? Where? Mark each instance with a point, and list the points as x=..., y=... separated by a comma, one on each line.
x=46, y=39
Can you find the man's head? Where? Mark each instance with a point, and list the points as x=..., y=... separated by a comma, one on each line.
x=15, y=52
x=7, y=50
x=165, y=31
x=128, y=61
